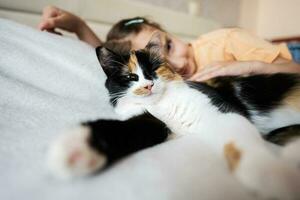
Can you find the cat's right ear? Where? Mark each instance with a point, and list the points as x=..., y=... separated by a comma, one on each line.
x=106, y=57
x=156, y=43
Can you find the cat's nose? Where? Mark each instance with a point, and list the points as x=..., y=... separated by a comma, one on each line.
x=149, y=86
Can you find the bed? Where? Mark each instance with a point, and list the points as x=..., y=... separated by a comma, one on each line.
x=49, y=83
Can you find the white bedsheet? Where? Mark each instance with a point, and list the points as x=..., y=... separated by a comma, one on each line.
x=49, y=82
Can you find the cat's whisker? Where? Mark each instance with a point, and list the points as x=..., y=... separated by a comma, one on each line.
x=116, y=99
x=117, y=93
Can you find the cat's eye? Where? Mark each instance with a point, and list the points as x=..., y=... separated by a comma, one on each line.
x=132, y=77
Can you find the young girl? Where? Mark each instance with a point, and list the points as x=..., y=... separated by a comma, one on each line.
x=220, y=53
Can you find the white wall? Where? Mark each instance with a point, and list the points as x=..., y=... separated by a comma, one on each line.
x=266, y=18
x=178, y=5
x=271, y=18
x=248, y=15
x=225, y=12
x=278, y=18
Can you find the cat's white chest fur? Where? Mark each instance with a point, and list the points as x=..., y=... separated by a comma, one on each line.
x=190, y=109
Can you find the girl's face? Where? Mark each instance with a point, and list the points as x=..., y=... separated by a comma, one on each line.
x=179, y=54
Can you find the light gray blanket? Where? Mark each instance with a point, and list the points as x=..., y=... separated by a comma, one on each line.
x=49, y=82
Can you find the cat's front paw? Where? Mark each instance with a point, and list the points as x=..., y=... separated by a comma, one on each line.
x=71, y=155
x=274, y=180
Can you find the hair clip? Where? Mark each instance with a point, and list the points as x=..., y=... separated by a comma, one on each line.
x=134, y=21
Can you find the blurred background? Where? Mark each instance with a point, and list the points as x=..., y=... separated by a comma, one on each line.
x=269, y=19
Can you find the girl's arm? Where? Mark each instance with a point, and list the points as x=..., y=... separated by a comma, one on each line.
x=238, y=68
x=246, y=47
x=54, y=17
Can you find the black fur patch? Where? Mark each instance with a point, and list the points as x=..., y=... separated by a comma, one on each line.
x=284, y=135
x=266, y=92
x=117, y=139
x=223, y=97
x=263, y=93
x=149, y=63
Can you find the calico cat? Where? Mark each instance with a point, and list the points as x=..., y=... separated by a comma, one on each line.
x=219, y=113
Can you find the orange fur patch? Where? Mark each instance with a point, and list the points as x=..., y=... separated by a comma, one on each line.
x=141, y=91
x=167, y=74
x=293, y=99
x=132, y=63
x=232, y=155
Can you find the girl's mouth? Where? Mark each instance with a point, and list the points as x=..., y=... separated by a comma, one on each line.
x=184, y=71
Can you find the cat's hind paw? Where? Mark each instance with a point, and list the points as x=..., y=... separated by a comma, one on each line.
x=71, y=155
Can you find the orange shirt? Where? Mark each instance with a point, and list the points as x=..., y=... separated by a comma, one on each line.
x=235, y=44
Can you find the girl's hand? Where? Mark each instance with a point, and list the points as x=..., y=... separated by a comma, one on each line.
x=244, y=68
x=234, y=68
x=54, y=17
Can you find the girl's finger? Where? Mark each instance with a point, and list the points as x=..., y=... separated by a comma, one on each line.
x=43, y=25
x=216, y=73
x=54, y=31
x=47, y=24
x=202, y=77
x=205, y=72
x=50, y=11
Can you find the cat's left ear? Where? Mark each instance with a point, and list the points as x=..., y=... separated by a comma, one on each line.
x=157, y=43
x=106, y=57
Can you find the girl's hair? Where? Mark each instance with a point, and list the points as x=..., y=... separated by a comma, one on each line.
x=129, y=26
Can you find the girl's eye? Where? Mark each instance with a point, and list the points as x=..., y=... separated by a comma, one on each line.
x=169, y=45
x=132, y=77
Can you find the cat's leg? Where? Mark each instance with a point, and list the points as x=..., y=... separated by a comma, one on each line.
x=119, y=138
x=242, y=147
x=71, y=154
x=88, y=148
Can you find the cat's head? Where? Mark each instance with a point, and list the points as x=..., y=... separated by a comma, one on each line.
x=136, y=78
